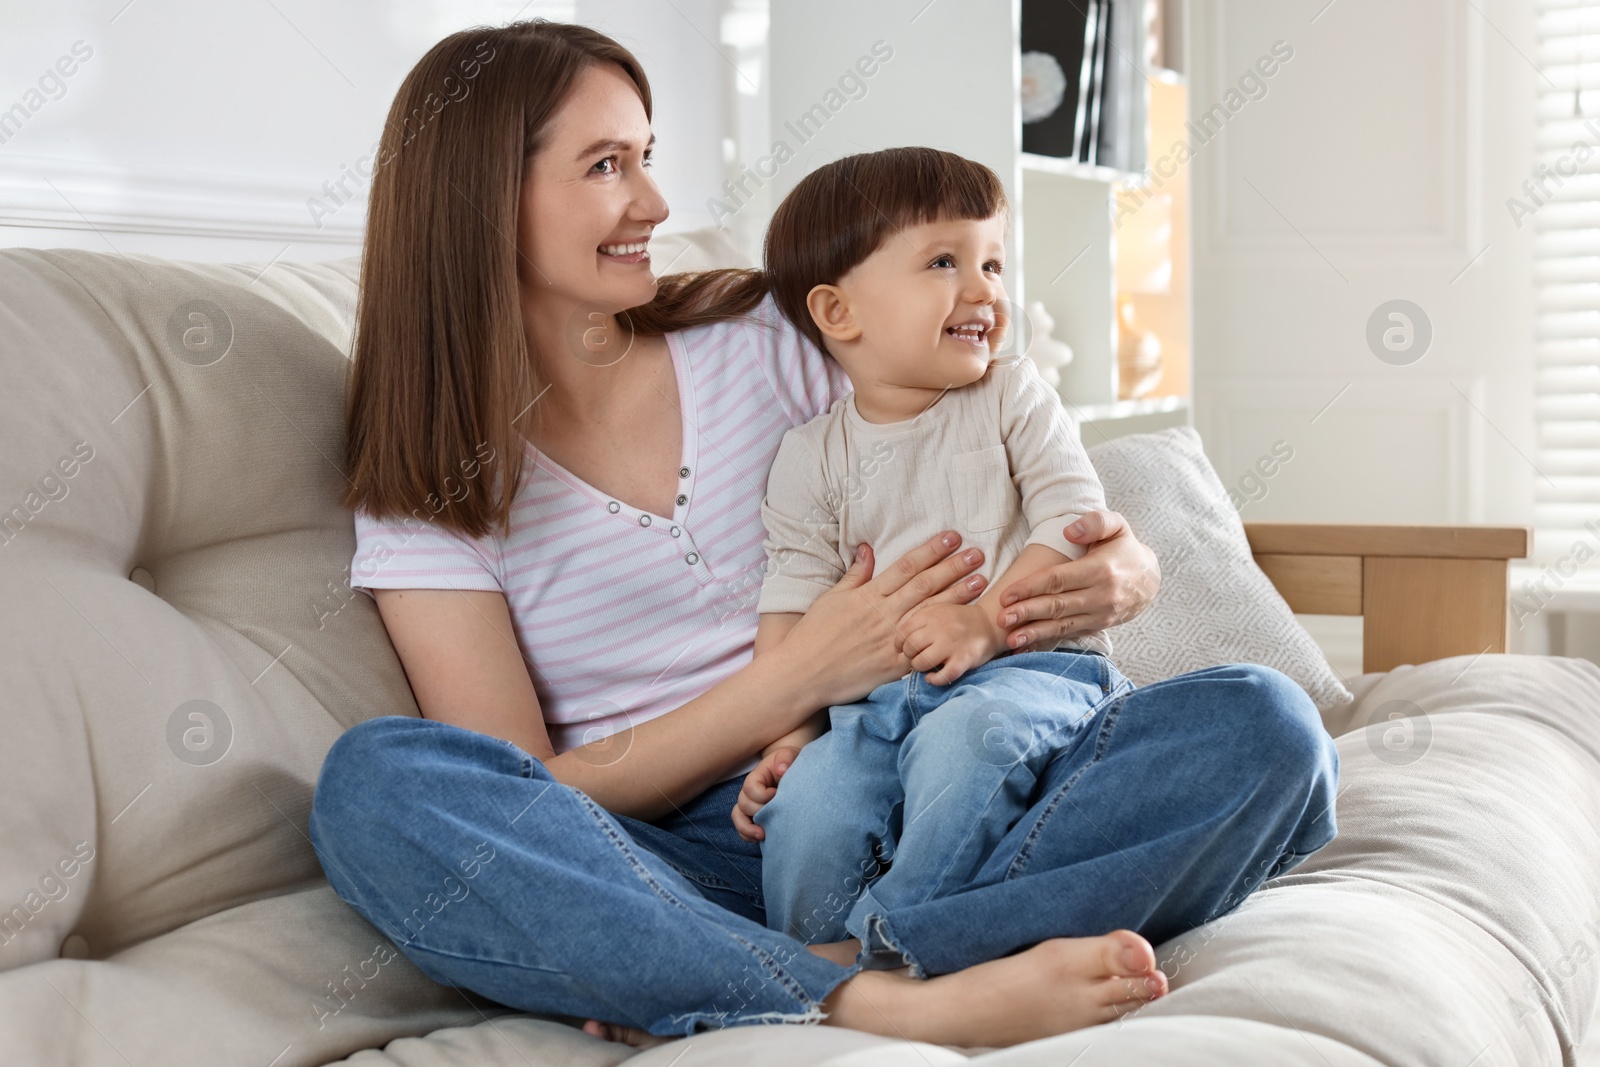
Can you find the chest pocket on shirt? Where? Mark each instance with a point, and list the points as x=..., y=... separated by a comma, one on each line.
x=980, y=481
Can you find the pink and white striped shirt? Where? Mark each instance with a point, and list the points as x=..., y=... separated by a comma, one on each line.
x=623, y=615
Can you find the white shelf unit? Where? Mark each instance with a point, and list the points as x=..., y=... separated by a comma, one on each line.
x=1032, y=161
x=1069, y=265
x=952, y=83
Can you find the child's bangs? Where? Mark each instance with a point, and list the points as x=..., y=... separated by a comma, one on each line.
x=909, y=187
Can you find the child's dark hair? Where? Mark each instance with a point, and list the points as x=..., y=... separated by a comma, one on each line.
x=830, y=222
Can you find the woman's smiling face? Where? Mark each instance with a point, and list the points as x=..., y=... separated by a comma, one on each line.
x=588, y=202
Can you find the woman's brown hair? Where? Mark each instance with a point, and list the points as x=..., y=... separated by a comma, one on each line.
x=441, y=368
x=442, y=371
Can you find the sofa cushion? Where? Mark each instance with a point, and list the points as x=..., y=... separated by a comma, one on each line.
x=182, y=648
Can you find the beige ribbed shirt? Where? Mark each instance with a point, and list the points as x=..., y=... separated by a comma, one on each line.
x=997, y=460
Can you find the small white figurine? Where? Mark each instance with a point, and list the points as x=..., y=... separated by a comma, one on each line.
x=1048, y=353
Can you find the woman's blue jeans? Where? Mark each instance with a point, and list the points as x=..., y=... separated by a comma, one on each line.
x=1179, y=800
x=924, y=778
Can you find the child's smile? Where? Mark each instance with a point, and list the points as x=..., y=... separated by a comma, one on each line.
x=973, y=333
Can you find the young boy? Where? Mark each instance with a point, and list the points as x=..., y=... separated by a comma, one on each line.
x=891, y=261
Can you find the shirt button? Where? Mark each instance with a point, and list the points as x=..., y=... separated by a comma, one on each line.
x=676, y=531
x=682, y=499
x=644, y=520
x=683, y=472
x=613, y=507
x=692, y=558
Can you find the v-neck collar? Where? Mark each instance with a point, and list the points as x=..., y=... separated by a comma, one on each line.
x=688, y=460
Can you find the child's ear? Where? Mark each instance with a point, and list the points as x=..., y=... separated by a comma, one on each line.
x=831, y=312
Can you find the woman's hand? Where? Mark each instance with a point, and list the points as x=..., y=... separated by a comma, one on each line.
x=1114, y=581
x=851, y=640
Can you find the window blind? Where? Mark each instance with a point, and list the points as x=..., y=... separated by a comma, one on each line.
x=1564, y=196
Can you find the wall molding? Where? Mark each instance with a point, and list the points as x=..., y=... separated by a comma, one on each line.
x=1221, y=402
x=1458, y=240
x=38, y=192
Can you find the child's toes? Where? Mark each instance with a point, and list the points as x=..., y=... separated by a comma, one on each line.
x=1127, y=954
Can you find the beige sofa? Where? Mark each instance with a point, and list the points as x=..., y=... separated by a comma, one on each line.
x=180, y=648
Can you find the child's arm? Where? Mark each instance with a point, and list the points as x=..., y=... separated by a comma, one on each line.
x=1051, y=470
x=1032, y=558
x=963, y=636
x=803, y=559
x=772, y=628
x=761, y=784
x=802, y=563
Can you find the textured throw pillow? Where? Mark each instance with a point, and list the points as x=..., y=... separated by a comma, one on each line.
x=1215, y=605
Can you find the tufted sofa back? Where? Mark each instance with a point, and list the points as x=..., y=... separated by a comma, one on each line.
x=178, y=649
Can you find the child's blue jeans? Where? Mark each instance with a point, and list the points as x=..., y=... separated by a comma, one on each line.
x=925, y=778
x=1180, y=799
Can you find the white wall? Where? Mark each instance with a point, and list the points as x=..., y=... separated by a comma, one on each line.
x=200, y=130
x=924, y=92
x=1375, y=167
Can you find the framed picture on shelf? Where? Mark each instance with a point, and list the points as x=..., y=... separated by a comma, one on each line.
x=1057, y=61
x=1083, y=95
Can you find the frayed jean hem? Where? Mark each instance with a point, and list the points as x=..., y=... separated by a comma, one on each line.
x=810, y=1011
x=881, y=949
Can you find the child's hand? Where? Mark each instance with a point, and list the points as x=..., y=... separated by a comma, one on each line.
x=760, y=786
x=959, y=636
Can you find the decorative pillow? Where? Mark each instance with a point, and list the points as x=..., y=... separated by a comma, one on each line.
x=1215, y=605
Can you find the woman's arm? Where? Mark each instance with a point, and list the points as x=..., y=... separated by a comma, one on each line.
x=1114, y=581
x=465, y=667
x=770, y=630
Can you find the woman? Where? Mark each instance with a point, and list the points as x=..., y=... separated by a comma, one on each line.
x=575, y=617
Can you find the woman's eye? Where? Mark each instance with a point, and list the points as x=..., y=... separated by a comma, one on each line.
x=649, y=159
x=612, y=160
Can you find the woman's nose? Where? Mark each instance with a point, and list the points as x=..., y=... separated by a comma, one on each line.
x=648, y=203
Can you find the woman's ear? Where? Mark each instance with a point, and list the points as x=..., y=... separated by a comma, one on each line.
x=830, y=310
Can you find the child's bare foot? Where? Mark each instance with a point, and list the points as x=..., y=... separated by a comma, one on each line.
x=1054, y=987
x=627, y=1035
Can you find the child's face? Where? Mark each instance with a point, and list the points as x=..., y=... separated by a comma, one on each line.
x=922, y=311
